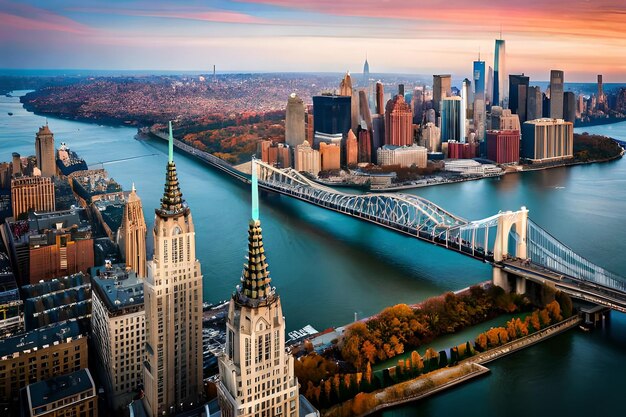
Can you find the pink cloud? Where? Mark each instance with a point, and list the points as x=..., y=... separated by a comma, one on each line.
x=28, y=18
x=206, y=15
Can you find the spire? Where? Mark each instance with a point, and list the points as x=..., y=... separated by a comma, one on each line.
x=170, y=143
x=255, y=191
x=172, y=202
x=132, y=189
x=255, y=279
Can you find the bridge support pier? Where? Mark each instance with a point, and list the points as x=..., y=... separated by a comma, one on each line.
x=501, y=279
x=509, y=283
x=520, y=285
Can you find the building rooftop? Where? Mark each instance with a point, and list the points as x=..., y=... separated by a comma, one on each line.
x=57, y=219
x=56, y=284
x=118, y=288
x=42, y=337
x=405, y=147
x=8, y=288
x=55, y=389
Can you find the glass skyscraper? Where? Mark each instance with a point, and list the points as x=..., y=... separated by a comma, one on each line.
x=500, y=96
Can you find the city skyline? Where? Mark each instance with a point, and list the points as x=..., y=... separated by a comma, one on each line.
x=275, y=35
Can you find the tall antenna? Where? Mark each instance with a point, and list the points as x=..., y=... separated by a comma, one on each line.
x=255, y=191
x=479, y=52
x=500, y=31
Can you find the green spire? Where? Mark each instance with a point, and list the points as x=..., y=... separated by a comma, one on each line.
x=171, y=144
x=255, y=191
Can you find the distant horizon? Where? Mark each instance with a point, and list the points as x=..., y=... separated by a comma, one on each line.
x=581, y=38
x=156, y=72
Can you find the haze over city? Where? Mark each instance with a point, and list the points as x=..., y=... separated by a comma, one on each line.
x=582, y=38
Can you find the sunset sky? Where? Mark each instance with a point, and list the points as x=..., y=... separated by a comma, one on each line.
x=583, y=38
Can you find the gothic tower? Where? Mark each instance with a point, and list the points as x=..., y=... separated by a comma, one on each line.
x=173, y=305
x=131, y=235
x=256, y=373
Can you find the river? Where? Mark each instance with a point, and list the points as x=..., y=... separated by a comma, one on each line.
x=327, y=266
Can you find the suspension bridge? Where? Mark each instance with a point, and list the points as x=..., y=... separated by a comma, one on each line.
x=516, y=247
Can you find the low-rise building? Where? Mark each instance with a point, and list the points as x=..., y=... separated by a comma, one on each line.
x=57, y=300
x=62, y=396
x=404, y=156
x=11, y=318
x=503, y=146
x=60, y=244
x=330, y=156
x=471, y=167
x=307, y=159
x=118, y=331
x=459, y=150
x=41, y=354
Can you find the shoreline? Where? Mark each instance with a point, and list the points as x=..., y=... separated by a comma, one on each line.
x=477, y=362
x=114, y=122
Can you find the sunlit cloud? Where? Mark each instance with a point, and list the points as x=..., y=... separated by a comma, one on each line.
x=582, y=38
x=27, y=18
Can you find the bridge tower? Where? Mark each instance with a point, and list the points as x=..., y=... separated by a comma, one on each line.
x=508, y=222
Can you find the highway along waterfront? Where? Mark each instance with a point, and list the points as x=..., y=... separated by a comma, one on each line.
x=327, y=266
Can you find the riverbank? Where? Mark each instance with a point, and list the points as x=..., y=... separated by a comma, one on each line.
x=416, y=389
x=529, y=168
x=434, y=382
x=428, y=183
x=598, y=122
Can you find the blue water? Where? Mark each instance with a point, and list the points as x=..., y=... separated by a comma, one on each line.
x=327, y=266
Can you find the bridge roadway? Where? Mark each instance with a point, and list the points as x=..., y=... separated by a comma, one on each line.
x=575, y=287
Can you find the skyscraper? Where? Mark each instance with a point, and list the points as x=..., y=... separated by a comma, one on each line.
x=332, y=114
x=489, y=86
x=366, y=72
x=442, y=87
x=398, y=122
x=294, y=121
x=417, y=104
x=173, y=305
x=131, y=235
x=500, y=94
x=44, y=149
x=364, y=109
x=465, y=99
x=556, y=94
x=600, y=89
x=345, y=87
x=254, y=358
x=569, y=106
x=365, y=144
x=451, y=119
x=518, y=90
x=534, y=107
x=346, y=90
x=380, y=98
x=480, y=110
